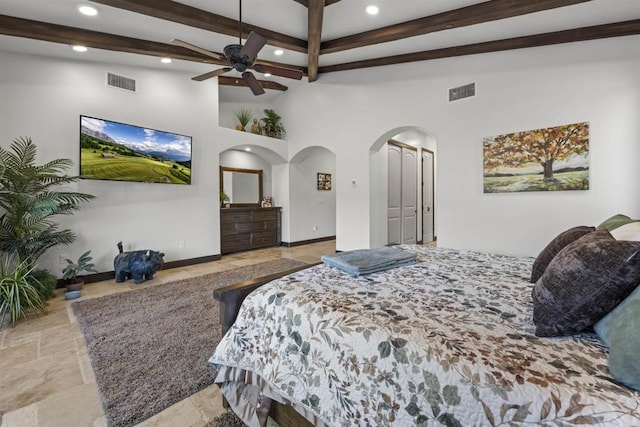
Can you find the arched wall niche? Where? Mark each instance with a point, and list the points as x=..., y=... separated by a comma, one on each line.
x=254, y=157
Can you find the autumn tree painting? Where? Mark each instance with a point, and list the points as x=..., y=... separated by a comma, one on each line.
x=548, y=159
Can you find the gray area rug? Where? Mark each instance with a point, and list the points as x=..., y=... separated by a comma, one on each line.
x=149, y=347
x=228, y=419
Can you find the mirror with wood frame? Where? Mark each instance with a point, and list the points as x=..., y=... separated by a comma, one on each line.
x=242, y=186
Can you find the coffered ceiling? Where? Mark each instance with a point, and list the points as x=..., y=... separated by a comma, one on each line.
x=317, y=36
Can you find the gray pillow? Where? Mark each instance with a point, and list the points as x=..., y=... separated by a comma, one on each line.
x=620, y=330
x=614, y=222
x=584, y=281
x=552, y=249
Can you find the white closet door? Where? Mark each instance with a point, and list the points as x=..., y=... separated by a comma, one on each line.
x=427, y=197
x=409, y=195
x=394, y=209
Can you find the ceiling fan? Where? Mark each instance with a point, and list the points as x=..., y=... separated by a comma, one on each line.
x=242, y=58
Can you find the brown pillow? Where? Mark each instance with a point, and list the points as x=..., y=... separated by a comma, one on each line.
x=552, y=249
x=584, y=281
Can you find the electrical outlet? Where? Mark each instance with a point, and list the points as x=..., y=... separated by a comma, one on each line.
x=315, y=228
x=63, y=258
x=181, y=244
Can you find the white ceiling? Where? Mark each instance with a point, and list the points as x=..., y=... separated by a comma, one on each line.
x=343, y=18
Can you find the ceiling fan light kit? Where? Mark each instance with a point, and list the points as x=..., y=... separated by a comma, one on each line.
x=242, y=58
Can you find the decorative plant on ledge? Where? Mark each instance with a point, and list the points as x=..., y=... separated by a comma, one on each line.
x=29, y=199
x=272, y=125
x=244, y=117
x=224, y=199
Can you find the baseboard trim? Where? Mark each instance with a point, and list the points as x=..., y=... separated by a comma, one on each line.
x=306, y=242
x=108, y=275
x=192, y=261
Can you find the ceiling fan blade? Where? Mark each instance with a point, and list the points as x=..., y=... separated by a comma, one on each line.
x=195, y=48
x=252, y=46
x=211, y=74
x=253, y=83
x=282, y=72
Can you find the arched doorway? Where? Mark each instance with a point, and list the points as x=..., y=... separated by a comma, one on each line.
x=421, y=148
x=312, y=205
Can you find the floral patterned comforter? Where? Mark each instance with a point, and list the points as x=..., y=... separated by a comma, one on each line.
x=446, y=341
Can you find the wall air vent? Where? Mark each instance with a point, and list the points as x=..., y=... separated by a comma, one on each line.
x=462, y=92
x=121, y=82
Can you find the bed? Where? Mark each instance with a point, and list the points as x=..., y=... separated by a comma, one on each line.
x=448, y=340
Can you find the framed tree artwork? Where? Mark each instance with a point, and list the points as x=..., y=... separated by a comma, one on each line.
x=324, y=181
x=549, y=159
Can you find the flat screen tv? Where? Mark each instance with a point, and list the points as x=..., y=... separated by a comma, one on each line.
x=120, y=152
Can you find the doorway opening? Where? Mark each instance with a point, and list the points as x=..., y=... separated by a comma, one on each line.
x=403, y=187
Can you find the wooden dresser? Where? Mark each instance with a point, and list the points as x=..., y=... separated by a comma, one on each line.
x=245, y=228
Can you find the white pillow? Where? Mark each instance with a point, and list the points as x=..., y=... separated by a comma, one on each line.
x=630, y=231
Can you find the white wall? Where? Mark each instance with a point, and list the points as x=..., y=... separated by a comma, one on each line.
x=43, y=98
x=596, y=81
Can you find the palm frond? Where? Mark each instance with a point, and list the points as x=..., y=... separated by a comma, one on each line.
x=29, y=199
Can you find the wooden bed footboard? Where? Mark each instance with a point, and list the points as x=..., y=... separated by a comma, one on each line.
x=230, y=298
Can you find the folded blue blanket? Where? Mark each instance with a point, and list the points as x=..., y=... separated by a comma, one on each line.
x=366, y=261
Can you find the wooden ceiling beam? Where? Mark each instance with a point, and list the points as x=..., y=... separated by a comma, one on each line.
x=305, y=3
x=19, y=27
x=475, y=14
x=316, y=13
x=198, y=18
x=26, y=28
x=239, y=81
x=618, y=29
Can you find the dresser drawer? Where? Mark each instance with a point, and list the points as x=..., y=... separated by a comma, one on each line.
x=236, y=243
x=263, y=239
x=249, y=228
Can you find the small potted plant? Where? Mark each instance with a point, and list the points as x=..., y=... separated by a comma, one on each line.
x=244, y=117
x=272, y=124
x=73, y=282
x=224, y=199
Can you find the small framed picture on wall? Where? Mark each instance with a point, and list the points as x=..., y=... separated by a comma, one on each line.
x=324, y=181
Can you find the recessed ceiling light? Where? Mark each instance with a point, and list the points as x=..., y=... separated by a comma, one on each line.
x=278, y=52
x=87, y=10
x=247, y=149
x=166, y=60
x=79, y=48
x=373, y=10
x=267, y=74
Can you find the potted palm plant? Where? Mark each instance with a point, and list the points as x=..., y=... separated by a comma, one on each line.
x=244, y=117
x=30, y=197
x=272, y=124
x=73, y=282
x=18, y=293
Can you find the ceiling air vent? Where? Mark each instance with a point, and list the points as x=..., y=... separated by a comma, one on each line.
x=462, y=92
x=121, y=82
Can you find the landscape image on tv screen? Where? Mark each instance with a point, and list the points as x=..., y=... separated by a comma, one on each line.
x=120, y=152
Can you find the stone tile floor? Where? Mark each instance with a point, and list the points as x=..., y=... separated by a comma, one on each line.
x=46, y=379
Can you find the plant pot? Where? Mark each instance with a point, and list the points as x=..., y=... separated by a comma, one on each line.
x=74, y=284
x=5, y=320
x=72, y=294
